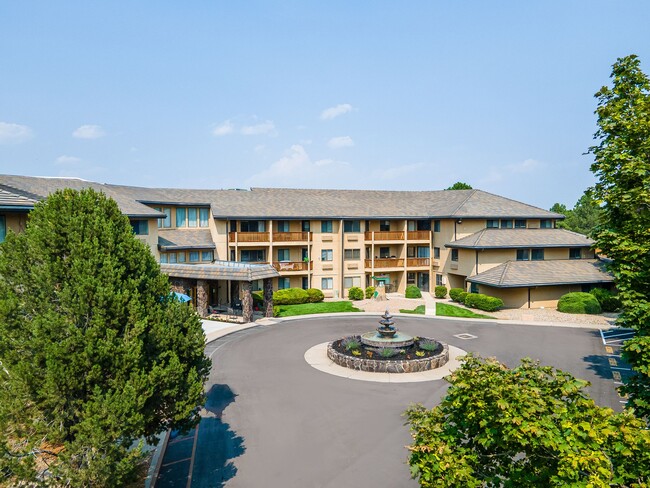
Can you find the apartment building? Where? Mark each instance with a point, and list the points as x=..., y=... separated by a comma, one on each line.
x=336, y=239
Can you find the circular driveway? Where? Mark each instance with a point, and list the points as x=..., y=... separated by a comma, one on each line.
x=272, y=420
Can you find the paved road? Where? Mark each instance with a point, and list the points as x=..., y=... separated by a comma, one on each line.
x=273, y=421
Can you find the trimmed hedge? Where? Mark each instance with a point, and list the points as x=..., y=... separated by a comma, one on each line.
x=483, y=302
x=355, y=293
x=440, y=291
x=461, y=296
x=578, y=302
x=454, y=294
x=413, y=291
x=315, y=295
x=609, y=302
x=290, y=296
x=370, y=291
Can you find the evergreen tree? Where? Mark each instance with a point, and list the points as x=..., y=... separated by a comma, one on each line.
x=459, y=185
x=95, y=354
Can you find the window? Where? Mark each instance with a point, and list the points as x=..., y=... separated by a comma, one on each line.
x=506, y=224
x=207, y=256
x=424, y=225
x=306, y=225
x=537, y=254
x=304, y=254
x=352, y=226
x=172, y=257
x=181, y=257
x=523, y=254
x=181, y=215
x=283, y=283
x=454, y=254
x=194, y=256
x=384, y=252
x=326, y=226
x=257, y=285
x=167, y=222
x=252, y=226
x=436, y=226
x=384, y=225
x=191, y=217
x=436, y=253
x=282, y=226
x=520, y=224
x=575, y=253
x=410, y=252
x=423, y=251
x=352, y=254
x=305, y=283
x=545, y=224
x=326, y=255
x=204, y=217
x=233, y=256
x=473, y=288
x=163, y=258
x=283, y=255
x=253, y=256
x=140, y=228
x=326, y=283
x=233, y=226
x=439, y=280
x=3, y=228
x=410, y=278
x=492, y=224
x=350, y=281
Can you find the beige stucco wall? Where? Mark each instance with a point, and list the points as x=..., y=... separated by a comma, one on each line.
x=540, y=297
x=16, y=222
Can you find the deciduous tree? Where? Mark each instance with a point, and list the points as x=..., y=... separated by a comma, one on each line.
x=459, y=185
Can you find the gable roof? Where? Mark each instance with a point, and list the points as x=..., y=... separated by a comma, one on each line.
x=521, y=238
x=13, y=199
x=220, y=270
x=169, y=240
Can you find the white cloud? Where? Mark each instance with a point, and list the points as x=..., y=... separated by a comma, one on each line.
x=339, y=142
x=67, y=160
x=333, y=112
x=257, y=129
x=14, y=133
x=223, y=129
x=89, y=131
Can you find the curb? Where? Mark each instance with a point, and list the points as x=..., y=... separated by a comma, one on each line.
x=156, y=461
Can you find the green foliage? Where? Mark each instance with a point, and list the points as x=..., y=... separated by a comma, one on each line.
x=351, y=343
x=290, y=296
x=355, y=293
x=530, y=426
x=622, y=168
x=583, y=218
x=314, y=308
x=370, y=291
x=447, y=310
x=440, y=291
x=95, y=354
x=412, y=291
x=609, y=302
x=428, y=344
x=483, y=302
x=388, y=352
x=578, y=302
x=258, y=298
x=455, y=294
x=315, y=295
x=459, y=185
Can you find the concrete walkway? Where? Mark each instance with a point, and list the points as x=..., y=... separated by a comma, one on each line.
x=429, y=304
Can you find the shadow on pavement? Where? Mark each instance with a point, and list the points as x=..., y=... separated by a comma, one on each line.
x=599, y=365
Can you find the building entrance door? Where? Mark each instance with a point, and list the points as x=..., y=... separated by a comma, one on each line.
x=423, y=281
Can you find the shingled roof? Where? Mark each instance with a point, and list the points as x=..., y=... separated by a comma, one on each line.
x=512, y=274
x=220, y=270
x=521, y=238
x=13, y=199
x=170, y=240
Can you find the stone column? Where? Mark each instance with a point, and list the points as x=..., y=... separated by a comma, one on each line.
x=247, y=301
x=268, y=297
x=202, y=297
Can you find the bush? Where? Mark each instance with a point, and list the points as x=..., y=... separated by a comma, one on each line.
x=355, y=293
x=483, y=302
x=461, y=296
x=315, y=295
x=370, y=291
x=609, y=302
x=441, y=291
x=290, y=296
x=578, y=302
x=454, y=294
x=258, y=298
x=413, y=291
x=276, y=311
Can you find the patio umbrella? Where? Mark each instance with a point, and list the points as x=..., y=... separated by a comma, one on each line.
x=182, y=297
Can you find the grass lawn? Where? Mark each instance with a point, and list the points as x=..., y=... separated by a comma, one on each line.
x=446, y=310
x=311, y=308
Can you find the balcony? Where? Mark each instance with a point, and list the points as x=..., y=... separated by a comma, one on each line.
x=418, y=235
x=291, y=236
x=385, y=236
x=386, y=263
x=293, y=265
x=417, y=262
x=248, y=237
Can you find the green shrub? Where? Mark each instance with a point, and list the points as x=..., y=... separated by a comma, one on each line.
x=258, y=298
x=290, y=296
x=609, y=302
x=454, y=294
x=440, y=291
x=276, y=311
x=351, y=343
x=370, y=291
x=461, y=296
x=413, y=291
x=428, y=344
x=315, y=295
x=483, y=302
x=579, y=302
x=355, y=293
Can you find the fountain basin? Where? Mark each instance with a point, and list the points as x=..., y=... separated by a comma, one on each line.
x=399, y=340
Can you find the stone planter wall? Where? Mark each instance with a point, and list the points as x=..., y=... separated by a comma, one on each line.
x=389, y=366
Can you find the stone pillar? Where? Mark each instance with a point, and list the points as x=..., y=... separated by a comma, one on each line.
x=202, y=297
x=268, y=297
x=247, y=301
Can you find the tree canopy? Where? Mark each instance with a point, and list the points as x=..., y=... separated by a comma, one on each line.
x=583, y=218
x=622, y=168
x=459, y=185
x=528, y=426
x=95, y=354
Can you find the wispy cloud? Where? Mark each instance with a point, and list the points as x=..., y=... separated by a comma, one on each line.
x=339, y=142
x=257, y=129
x=14, y=133
x=67, y=160
x=333, y=112
x=89, y=131
x=526, y=166
x=223, y=129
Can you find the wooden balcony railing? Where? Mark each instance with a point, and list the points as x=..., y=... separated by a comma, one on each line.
x=385, y=235
x=290, y=236
x=418, y=235
x=386, y=263
x=293, y=265
x=412, y=262
x=248, y=237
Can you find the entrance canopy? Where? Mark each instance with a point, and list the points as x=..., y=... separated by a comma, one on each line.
x=221, y=270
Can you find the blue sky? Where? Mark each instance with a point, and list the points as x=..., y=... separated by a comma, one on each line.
x=369, y=95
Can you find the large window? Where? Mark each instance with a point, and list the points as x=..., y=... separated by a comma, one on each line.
x=384, y=225
x=163, y=258
x=454, y=254
x=140, y=228
x=252, y=226
x=436, y=253
x=283, y=283
x=410, y=278
x=506, y=224
x=436, y=226
x=575, y=253
x=283, y=255
x=207, y=255
x=181, y=257
x=352, y=254
x=352, y=226
x=181, y=216
x=439, y=280
x=191, y=217
x=194, y=256
x=545, y=224
x=204, y=217
x=520, y=224
x=305, y=225
x=537, y=254
x=492, y=224
x=326, y=226
x=384, y=252
x=253, y=255
x=166, y=222
x=3, y=228
x=423, y=251
x=523, y=254
x=282, y=226
x=326, y=283
x=350, y=281
x=172, y=258
x=326, y=255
